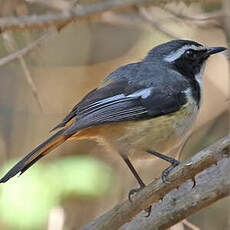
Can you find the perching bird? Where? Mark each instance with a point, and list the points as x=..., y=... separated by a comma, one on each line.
x=140, y=108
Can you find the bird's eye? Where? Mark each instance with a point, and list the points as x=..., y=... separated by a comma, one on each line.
x=189, y=54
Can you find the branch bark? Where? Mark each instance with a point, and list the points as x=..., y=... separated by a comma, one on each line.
x=78, y=13
x=211, y=185
x=154, y=192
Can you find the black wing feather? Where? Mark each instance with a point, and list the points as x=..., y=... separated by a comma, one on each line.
x=103, y=107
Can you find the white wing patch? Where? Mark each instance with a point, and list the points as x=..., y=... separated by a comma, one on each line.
x=143, y=93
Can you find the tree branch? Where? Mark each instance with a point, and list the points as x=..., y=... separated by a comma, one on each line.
x=77, y=13
x=11, y=47
x=215, y=15
x=24, y=51
x=124, y=212
x=211, y=185
x=213, y=19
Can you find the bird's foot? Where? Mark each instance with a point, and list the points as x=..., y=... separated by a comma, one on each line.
x=166, y=172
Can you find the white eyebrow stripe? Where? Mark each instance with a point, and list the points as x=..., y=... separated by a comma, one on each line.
x=143, y=93
x=175, y=55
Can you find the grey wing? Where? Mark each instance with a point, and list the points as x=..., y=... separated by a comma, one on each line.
x=91, y=98
x=121, y=102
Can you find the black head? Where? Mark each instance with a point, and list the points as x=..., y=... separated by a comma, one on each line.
x=187, y=57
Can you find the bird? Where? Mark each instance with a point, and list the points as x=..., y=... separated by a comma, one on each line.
x=138, y=110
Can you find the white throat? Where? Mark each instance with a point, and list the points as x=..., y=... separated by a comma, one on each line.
x=199, y=76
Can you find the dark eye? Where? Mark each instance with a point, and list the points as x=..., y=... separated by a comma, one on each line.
x=190, y=54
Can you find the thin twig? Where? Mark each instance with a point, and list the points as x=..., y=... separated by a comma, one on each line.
x=178, y=226
x=122, y=19
x=31, y=47
x=115, y=18
x=11, y=46
x=155, y=23
x=55, y=4
x=124, y=212
x=190, y=225
x=216, y=15
x=77, y=13
x=213, y=19
x=56, y=219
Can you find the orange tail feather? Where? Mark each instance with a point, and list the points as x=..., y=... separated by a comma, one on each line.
x=35, y=155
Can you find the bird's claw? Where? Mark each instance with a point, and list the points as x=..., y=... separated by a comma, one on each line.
x=166, y=172
x=148, y=211
x=194, y=182
x=132, y=192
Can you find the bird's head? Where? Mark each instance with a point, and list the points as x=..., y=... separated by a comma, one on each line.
x=187, y=57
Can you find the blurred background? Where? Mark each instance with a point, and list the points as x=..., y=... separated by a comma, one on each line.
x=79, y=180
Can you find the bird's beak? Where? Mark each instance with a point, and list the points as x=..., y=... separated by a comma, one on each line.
x=214, y=50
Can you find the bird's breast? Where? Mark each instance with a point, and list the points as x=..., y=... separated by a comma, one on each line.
x=157, y=134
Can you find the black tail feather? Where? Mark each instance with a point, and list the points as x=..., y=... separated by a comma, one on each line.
x=35, y=155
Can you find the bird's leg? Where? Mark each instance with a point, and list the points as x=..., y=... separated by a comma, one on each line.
x=171, y=160
x=134, y=172
x=139, y=180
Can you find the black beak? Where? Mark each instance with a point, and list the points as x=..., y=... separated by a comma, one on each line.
x=214, y=50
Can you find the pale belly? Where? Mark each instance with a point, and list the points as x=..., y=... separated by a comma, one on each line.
x=159, y=134
x=134, y=138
